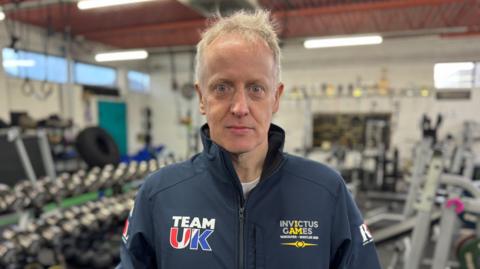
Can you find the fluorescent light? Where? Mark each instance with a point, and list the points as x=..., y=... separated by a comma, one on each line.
x=2, y=15
x=342, y=41
x=89, y=4
x=18, y=63
x=121, y=55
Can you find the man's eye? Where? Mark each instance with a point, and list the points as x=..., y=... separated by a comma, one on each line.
x=257, y=90
x=221, y=88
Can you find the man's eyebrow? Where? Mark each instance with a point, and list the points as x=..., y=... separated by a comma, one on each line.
x=256, y=81
x=221, y=80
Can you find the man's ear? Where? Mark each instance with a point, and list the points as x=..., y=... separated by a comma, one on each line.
x=201, y=106
x=278, y=94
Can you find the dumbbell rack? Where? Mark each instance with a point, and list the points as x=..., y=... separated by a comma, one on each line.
x=69, y=204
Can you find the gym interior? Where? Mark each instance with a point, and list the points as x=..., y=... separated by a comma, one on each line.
x=96, y=95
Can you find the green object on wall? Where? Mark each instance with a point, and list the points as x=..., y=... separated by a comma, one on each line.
x=112, y=116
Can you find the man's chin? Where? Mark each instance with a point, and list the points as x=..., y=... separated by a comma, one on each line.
x=238, y=149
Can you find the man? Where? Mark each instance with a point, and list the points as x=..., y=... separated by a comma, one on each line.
x=242, y=202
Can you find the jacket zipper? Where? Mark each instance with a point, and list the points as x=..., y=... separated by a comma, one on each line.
x=241, y=215
x=241, y=244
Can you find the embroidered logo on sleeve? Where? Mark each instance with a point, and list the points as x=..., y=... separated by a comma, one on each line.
x=127, y=224
x=366, y=235
x=194, y=232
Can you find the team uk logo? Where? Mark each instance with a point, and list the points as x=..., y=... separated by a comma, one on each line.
x=191, y=232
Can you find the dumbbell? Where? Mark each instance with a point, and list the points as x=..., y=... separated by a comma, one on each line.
x=50, y=234
x=131, y=171
x=9, y=199
x=37, y=194
x=108, y=168
x=90, y=183
x=121, y=166
x=68, y=222
x=74, y=184
x=55, y=189
x=95, y=170
x=106, y=179
x=24, y=240
x=90, y=178
x=8, y=253
x=47, y=257
x=88, y=225
x=5, y=191
x=101, y=212
x=164, y=162
x=152, y=165
x=119, y=176
x=105, y=259
x=85, y=259
x=100, y=179
x=127, y=204
x=29, y=242
x=66, y=182
x=142, y=170
x=21, y=199
x=107, y=175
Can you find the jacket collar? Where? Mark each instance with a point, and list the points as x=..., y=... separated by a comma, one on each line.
x=221, y=158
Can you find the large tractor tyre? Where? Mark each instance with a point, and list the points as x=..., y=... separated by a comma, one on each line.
x=97, y=147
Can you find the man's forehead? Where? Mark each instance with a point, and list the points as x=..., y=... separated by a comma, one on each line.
x=249, y=43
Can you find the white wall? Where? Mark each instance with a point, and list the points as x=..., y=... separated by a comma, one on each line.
x=169, y=106
x=409, y=63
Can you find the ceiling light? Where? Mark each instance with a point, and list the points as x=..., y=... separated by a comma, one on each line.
x=2, y=14
x=121, y=56
x=342, y=41
x=18, y=63
x=89, y=4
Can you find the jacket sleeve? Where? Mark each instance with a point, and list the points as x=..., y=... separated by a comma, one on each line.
x=352, y=244
x=137, y=249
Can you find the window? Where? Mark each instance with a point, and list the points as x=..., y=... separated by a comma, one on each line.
x=95, y=75
x=138, y=82
x=454, y=75
x=36, y=66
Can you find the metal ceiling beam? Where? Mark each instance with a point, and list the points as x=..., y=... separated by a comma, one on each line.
x=362, y=11
x=472, y=31
x=212, y=7
x=369, y=6
x=11, y=7
x=145, y=28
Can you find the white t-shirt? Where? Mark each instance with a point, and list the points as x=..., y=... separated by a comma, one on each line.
x=247, y=187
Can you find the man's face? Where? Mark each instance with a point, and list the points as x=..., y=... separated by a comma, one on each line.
x=238, y=92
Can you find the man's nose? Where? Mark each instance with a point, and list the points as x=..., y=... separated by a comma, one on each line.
x=240, y=104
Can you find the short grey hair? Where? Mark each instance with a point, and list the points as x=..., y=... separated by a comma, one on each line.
x=250, y=25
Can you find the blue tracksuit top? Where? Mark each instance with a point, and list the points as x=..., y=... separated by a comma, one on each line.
x=193, y=215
